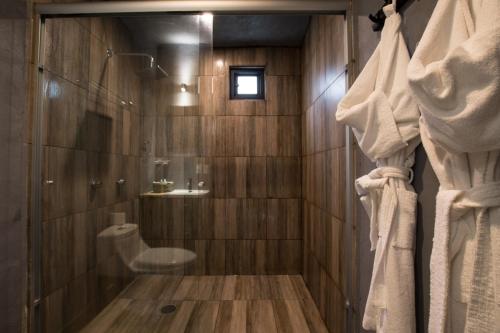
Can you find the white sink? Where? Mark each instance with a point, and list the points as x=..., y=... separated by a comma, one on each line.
x=185, y=192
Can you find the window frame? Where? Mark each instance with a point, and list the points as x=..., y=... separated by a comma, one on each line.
x=237, y=71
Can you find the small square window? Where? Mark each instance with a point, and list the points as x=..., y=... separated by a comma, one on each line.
x=247, y=82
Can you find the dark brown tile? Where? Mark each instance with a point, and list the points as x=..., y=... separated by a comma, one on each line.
x=283, y=95
x=283, y=175
x=162, y=218
x=284, y=219
x=319, y=124
x=333, y=248
x=65, y=107
x=335, y=132
x=239, y=107
x=246, y=219
x=283, y=61
x=67, y=50
x=246, y=177
x=283, y=136
x=335, y=182
x=243, y=136
x=251, y=56
x=68, y=192
x=240, y=258
x=210, y=257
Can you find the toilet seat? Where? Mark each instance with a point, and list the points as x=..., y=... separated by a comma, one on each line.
x=161, y=259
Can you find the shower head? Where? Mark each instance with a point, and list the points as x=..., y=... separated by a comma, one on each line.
x=152, y=70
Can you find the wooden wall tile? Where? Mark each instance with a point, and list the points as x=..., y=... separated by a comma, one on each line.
x=240, y=257
x=205, y=99
x=284, y=219
x=221, y=88
x=67, y=50
x=283, y=95
x=68, y=193
x=319, y=124
x=252, y=56
x=335, y=180
x=335, y=132
x=282, y=176
x=283, y=135
x=334, y=248
x=283, y=61
x=240, y=107
x=244, y=136
x=211, y=257
x=246, y=177
x=323, y=85
x=246, y=219
x=162, y=218
x=65, y=107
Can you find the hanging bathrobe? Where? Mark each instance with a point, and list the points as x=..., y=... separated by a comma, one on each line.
x=455, y=78
x=384, y=119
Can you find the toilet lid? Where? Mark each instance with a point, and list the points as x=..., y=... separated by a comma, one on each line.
x=160, y=259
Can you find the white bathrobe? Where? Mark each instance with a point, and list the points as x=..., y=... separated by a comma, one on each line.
x=384, y=118
x=455, y=77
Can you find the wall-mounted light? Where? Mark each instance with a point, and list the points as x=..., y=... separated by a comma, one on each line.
x=219, y=63
x=207, y=18
x=183, y=87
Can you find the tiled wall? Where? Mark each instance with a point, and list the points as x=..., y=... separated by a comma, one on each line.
x=14, y=152
x=323, y=160
x=248, y=153
x=91, y=132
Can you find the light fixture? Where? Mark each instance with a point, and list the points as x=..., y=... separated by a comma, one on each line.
x=207, y=18
x=219, y=63
x=183, y=87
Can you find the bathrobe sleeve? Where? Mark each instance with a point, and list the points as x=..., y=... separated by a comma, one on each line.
x=379, y=106
x=459, y=91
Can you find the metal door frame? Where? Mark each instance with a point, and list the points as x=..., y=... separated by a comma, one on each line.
x=221, y=7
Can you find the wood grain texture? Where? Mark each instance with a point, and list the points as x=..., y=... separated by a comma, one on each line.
x=283, y=95
x=323, y=169
x=257, y=303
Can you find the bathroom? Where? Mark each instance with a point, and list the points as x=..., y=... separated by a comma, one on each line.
x=210, y=166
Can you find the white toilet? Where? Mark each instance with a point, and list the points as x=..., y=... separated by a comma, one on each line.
x=125, y=240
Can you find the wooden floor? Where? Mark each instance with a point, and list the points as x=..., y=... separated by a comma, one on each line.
x=258, y=303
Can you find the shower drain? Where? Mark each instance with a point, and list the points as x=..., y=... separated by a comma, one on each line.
x=168, y=309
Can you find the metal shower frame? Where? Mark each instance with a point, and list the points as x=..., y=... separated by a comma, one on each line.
x=43, y=11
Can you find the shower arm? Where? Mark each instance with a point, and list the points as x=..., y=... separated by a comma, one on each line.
x=110, y=53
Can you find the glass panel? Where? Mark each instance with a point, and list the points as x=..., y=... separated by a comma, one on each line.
x=126, y=166
x=247, y=85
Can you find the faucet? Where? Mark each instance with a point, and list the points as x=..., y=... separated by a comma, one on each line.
x=190, y=184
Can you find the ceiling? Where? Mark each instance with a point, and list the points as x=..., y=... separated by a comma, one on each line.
x=228, y=30
x=259, y=30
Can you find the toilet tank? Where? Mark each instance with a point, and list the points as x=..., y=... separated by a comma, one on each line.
x=123, y=240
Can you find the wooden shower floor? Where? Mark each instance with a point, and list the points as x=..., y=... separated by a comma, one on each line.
x=258, y=303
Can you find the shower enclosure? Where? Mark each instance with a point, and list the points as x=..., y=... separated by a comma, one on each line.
x=108, y=91
x=160, y=203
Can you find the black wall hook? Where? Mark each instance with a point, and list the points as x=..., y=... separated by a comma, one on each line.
x=379, y=17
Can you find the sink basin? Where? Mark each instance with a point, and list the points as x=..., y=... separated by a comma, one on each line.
x=185, y=192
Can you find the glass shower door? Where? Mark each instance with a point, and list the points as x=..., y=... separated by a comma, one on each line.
x=124, y=162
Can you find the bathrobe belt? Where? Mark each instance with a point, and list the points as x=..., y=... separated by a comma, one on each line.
x=451, y=206
x=370, y=189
